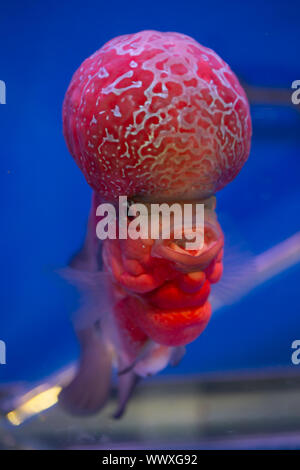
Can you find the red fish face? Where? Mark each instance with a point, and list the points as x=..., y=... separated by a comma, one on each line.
x=164, y=287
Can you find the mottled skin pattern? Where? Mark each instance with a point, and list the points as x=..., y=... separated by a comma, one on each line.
x=156, y=117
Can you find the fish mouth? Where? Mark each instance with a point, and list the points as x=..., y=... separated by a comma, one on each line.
x=187, y=260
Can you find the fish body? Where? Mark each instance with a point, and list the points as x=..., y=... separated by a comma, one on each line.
x=158, y=118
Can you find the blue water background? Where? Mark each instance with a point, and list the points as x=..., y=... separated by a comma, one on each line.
x=45, y=200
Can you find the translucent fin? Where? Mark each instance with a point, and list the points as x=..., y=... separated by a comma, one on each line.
x=239, y=271
x=238, y=264
x=154, y=360
x=243, y=271
x=126, y=387
x=83, y=272
x=95, y=300
x=177, y=355
x=144, y=352
x=89, y=390
x=88, y=259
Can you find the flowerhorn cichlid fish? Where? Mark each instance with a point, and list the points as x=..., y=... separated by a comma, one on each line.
x=158, y=118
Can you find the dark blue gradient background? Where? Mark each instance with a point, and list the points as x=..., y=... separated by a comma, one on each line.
x=45, y=200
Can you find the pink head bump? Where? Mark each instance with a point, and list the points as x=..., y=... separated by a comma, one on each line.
x=156, y=115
